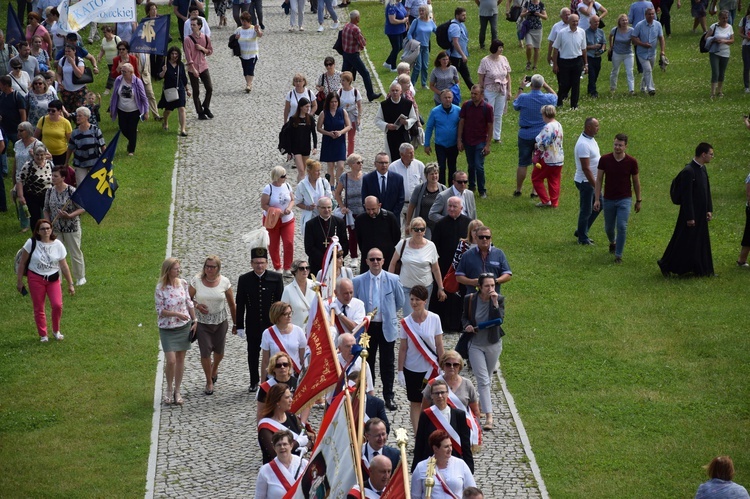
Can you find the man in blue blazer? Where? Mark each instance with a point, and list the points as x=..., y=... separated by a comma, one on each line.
x=382, y=290
x=392, y=197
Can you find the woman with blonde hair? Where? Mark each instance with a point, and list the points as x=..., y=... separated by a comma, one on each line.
x=278, y=370
x=176, y=320
x=277, y=201
x=309, y=191
x=621, y=49
x=283, y=336
x=211, y=292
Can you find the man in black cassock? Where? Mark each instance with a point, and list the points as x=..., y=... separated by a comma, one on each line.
x=389, y=120
x=256, y=291
x=448, y=230
x=376, y=228
x=319, y=231
x=689, y=250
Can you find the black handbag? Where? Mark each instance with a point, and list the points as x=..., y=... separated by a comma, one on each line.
x=86, y=77
x=462, y=347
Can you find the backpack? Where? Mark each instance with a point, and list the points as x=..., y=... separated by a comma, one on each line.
x=675, y=190
x=441, y=35
x=19, y=253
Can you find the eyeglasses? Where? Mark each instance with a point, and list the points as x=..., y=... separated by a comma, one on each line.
x=486, y=274
x=283, y=176
x=418, y=229
x=375, y=259
x=440, y=393
x=287, y=314
x=279, y=365
x=52, y=110
x=303, y=268
x=210, y=266
x=38, y=83
x=359, y=162
x=484, y=238
x=462, y=181
x=329, y=64
x=452, y=364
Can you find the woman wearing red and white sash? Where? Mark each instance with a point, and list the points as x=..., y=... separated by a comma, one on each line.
x=276, y=417
x=452, y=475
x=279, y=370
x=283, y=336
x=441, y=416
x=278, y=476
x=421, y=346
x=461, y=393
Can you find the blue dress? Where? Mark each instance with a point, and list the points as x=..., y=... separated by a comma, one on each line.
x=332, y=150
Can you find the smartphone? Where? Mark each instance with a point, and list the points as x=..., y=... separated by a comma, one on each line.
x=527, y=80
x=24, y=292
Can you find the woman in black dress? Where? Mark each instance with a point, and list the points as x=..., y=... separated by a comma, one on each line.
x=301, y=128
x=175, y=78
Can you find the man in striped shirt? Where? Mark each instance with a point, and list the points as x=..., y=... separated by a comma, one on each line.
x=85, y=145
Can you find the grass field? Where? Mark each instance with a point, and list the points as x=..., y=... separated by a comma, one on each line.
x=626, y=382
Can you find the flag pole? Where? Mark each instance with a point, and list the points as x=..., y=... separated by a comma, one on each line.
x=356, y=454
x=333, y=273
x=401, y=440
x=364, y=342
x=328, y=335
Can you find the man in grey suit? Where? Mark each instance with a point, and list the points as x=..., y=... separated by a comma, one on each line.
x=458, y=189
x=382, y=290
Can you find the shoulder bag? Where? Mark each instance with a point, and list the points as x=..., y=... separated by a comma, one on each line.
x=172, y=94
x=397, y=271
x=273, y=214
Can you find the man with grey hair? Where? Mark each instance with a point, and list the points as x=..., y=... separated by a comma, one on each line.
x=319, y=233
x=85, y=146
x=569, y=57
x=563, y=22
x=596, y=44
x=530, y=122
x=411, y=169
x=352, y=42
x=348, y=310
x=646, y=34
x=395, y=117
x=441, y=206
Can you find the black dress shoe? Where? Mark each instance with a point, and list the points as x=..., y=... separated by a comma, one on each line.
x=202, y=116
x=375, y=97
x=253, y=388
x=391, y=405
x=208, y=113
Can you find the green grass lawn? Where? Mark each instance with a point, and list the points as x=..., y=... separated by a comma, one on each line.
x=626, y=382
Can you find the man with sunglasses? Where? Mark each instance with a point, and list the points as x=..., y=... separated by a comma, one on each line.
x=458, y=189
x=483, y=258
x=381, y=290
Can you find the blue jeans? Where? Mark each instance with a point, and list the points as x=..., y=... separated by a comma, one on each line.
x=475, y=159
x=617, y=211
x=327, y=5
x=353, y=62
x=586, y=213
x=421, y=65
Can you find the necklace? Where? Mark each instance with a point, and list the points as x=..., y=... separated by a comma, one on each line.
x=325, y=232
x=211, y=281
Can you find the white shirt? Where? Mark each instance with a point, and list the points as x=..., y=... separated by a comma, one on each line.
x=358, y=367
x=268, y=485
x=570, y=44
x=583, y=19
x=205, y=29
x=293, y=342
x=457, y=476
x=376, y=286
x=299, y=300
x=428, y=331
x=279, y=197
x=555, y=30
x=416, y=264
x=413, y=174
x=46, y=256
x=586, y=147
x=355, y=309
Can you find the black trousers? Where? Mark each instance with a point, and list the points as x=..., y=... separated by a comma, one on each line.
x=128, y=122
x=665, y=18
x=446, y=156
x=256, y=13
x=253, y=355
x=463, y=70
x=205, y=77
x=569, y=77
x=387, y=357
x=595, y=67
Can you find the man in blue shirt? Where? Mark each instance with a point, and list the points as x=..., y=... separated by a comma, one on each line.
x=530, y=122
x=595, y=46
x=483, y=258
x=645, y=36
x=444, y=121
x=459, y=51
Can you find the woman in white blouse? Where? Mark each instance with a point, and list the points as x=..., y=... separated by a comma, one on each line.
x=421, y=348
x=176, y=321
x=452, y=475
x=289, y=465
x=278, y=196
x=211, y=292
x=309, y=191
x=419, y=262
x=300, y=293
x=283, y=336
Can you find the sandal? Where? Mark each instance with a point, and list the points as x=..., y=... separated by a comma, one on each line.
x=487, y=426
x=178, y=399
x=168, y=400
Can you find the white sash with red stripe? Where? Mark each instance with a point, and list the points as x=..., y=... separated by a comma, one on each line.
x=421, y=346
x=265, y=387
x=471, y=419
x=369, y=493
x=442, y=483
x=275, y=337
x=273, y=426
x=285, y=476
x=440, y=423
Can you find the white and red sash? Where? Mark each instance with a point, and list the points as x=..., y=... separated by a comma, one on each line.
x=440, y=423
x=422, y=348
x=275, y=337
x=284, y=475
x=273, y=426
x=471, y=419
x=443, y=484
x=354, y=492
x=266, y=386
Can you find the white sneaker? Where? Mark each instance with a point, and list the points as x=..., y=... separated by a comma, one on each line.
x=44, y=339
x=321, y=29
x=747, y=90
x=302, y=28
x=335, y=25
x=58, y=336
x=81, y=281
x=291, y=29
x=386, y=65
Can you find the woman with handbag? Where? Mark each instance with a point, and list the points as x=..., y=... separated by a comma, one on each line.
x=421, y=29
x=176, y=320
x=351, y=102
x=298, y=132
x=129, y=104
x=485, y=308
x=175, y=89
x=533, y=14
x=70, y=73
x=333, y=125
x=33, y=180
x=722, y=35
x=211, y=292
x=54, y=132
x=309, y=191
x=277, y=201
x=348, y=196
x=418, y=259
x=330, y=81
x=396, y=24
x=443, y=77
x=494, y=78
x=247, y=36
x=66, y=220
x=423, y=197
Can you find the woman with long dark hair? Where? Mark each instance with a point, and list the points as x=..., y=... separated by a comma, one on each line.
x=175, y=89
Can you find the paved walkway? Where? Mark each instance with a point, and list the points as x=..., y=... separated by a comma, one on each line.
x=208, y=447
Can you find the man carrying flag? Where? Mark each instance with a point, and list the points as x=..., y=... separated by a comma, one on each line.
x=348, y=311
x=97, y=191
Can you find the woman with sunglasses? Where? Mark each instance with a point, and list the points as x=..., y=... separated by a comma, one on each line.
x=328, y=82
x=277, y=200
x=486, y=344
x=278, y=370
x=129, y=104
x=461, y=392
x=283, y=336
x=299, y=293
x=54, y=131
x=38, y=99
x=211, y=292
x=421, y=346
x=46, y=259
x=419, y=262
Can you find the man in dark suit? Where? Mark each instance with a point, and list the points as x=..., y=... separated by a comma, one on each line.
x=385, y=185
x=377, y=228
x=427, y=424
x=256, y=291
x=375, y=439
x=319, y=231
